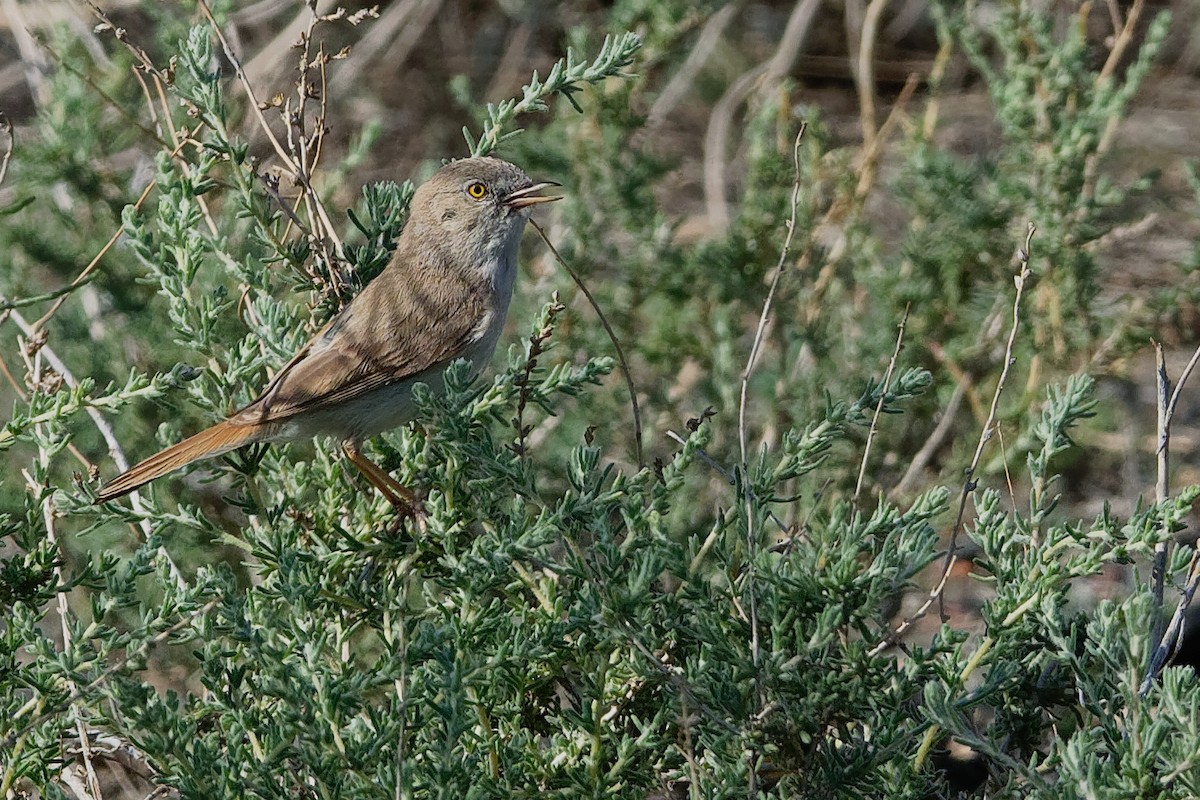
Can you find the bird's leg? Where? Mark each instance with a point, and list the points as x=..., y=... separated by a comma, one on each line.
x=402, y=499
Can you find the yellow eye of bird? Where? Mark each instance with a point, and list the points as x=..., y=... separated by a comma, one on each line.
x=477, y=190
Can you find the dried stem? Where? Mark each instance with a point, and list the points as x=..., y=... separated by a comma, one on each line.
x=106, y=432
x=537, y=345
x=751, y=362
x=1168, y=401
x=864, y=74
x=935, y=594
x=765, y=316
x=64, y=608
x=633, y=401
x=887, y=385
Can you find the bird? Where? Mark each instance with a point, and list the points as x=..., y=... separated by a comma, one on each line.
x=443, y=296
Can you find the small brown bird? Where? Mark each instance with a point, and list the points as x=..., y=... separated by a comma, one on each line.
x=443, y=296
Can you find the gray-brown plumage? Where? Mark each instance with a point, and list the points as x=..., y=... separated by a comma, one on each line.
x=443, y=296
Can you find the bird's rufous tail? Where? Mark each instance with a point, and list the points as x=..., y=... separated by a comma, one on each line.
x=208, y=443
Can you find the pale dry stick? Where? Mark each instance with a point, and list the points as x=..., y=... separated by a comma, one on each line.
x=874, y=429
x=33, y=367
x=716, y=144
x=150, y=106
x=110, y=749
x=932, y=597
x=1166, y=415
x=934, y=79
x=720, y=124
x=795, y=33
x=985, y=436
x=1172, y=639
x=335, y=275
x=633, y=401
x=294, y=121
x=963, y=389
x=110, y=440
x=1035, y=538
x=864, y=74
x=1114, y=14
x=765, y=315
x=747, y=373
x=313, y=226
x=683, y=79
x=1168, y=401
x=873, y=152
x=64, y=609
x=73, y=783
x=41, y=712
x=1123, y=233
x=122, y=36
x=310, y=198
x=317, y=139
x=285, y=157
x=1123, y=36
x=270, y=185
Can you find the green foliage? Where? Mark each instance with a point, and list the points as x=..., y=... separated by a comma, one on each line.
x=565, y=78
x=720, y=622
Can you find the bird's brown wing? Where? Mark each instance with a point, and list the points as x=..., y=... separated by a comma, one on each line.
x=366, y=347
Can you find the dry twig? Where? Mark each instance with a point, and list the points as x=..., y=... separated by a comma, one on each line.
x=1168, y=401
x=633, y=401
x=887, y=384
x=969, y=485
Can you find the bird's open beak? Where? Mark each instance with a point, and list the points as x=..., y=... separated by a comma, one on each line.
x=529, y=195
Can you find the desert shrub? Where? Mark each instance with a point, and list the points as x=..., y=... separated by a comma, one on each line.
x=735, y=613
